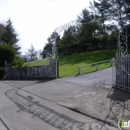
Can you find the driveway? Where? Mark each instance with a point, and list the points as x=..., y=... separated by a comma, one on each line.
x=90, y=94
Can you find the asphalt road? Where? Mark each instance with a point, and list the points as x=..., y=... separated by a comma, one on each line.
x=87, y=80
x=64, y=88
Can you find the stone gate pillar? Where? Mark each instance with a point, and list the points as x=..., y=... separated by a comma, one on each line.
x=8, y=70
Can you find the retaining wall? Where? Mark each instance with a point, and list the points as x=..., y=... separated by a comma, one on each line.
x=37, y=72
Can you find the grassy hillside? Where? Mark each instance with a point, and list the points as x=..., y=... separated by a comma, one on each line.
x=68, y=64
x=45, y=61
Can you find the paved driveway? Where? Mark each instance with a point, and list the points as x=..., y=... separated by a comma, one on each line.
x=89, y=94
x=24, y=109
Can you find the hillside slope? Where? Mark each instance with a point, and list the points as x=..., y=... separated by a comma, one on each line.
x=68, y=63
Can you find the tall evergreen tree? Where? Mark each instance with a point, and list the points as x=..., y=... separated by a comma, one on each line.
x=10, y=37
x=2, y=32
x=88, y=29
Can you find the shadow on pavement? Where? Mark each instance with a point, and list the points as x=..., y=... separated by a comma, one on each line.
x=52, y=117
x=119, y=105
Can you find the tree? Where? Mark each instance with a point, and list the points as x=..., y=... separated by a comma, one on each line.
x=67, y=41
x=2, y=32
x=93, y=31
x=54, y=38
x=101, y=8
x=112, y=10
x=120, y=11
x=32, y=53
x=10, y=37
x=48, y=48
x=89, y=28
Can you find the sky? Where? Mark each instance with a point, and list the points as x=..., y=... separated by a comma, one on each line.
x=35, y=20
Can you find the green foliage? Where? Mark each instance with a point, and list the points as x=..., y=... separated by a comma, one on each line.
x=18, y=62
x=112, y=10
x=10, y=36
x=86, y=35
x=3, y=31
x=7, y=53
x=96, y=29
x=48, y=48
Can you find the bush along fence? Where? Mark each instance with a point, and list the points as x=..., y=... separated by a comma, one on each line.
x=95, y=65
x=36, y=72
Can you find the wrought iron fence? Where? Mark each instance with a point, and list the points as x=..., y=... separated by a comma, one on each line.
x=121, y=73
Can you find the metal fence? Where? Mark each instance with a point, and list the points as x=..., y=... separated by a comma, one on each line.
x=121, y=73
x=95, y=65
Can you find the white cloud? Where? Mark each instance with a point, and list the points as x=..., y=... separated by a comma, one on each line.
x=35, y=20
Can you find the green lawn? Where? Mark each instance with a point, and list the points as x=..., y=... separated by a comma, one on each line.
x=68, y=64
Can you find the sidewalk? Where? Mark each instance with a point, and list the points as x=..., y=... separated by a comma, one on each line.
x=21, y=110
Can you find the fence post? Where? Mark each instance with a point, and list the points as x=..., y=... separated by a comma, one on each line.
x=96, y=66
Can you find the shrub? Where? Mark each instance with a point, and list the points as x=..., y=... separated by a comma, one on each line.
x=7, y=53
x=18, y=62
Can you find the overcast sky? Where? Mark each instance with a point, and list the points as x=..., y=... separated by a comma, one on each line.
x=35, y=20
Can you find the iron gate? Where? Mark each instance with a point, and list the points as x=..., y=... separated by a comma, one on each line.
x=121, y=73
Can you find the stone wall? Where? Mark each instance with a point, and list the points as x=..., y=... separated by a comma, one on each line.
x=36, y=72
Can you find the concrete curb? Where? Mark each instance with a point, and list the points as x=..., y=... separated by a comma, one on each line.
x=83, y=112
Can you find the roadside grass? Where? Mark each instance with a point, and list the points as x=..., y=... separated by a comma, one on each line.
x=68, y=63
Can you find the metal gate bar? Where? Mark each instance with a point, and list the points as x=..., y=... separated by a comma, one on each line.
x=121, y=73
